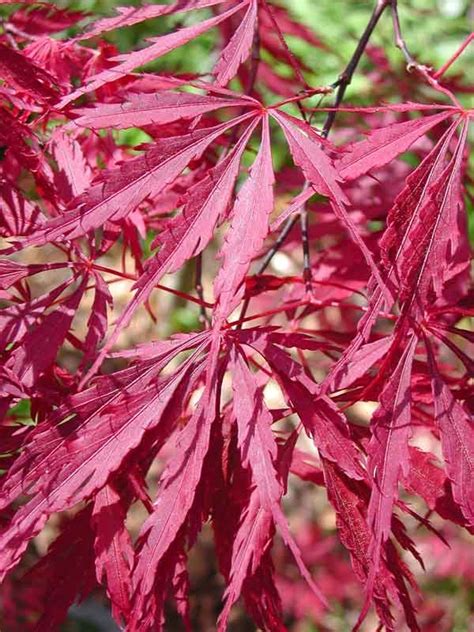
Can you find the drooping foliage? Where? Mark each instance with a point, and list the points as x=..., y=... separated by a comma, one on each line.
x=244, y=165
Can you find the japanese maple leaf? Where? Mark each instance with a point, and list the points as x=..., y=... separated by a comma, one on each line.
x=159, y=46
x=96, y=410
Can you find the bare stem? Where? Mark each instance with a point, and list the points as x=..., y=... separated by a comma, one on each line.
x=203, y=316
x=453, y=58
x=399, y=41
x=346, y=77
x=291, y=58
x=411, y=62
x=307, y=273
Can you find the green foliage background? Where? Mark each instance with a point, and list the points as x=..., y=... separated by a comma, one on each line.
x=433, y=30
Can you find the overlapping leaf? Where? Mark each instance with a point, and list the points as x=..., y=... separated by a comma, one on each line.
x=291, y=355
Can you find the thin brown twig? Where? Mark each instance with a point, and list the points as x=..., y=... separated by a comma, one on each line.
x=399, y=40
x=346, y=77
x=412, y=64
x=203, y=315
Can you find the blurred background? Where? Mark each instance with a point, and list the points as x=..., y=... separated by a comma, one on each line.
x=433, y=30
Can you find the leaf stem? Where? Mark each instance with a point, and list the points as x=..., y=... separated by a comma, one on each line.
x=455, y=56
x=289, y=55
x=158, y=286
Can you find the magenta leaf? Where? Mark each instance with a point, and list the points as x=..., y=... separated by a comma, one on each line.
x=238, y=48
x=113, y=549
x=177, y=491
x=248, y=229
x=388, y=452
x=145, y=109
x=213, y=271
x=384, y=144
x=457, y=441
x=160, y=46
